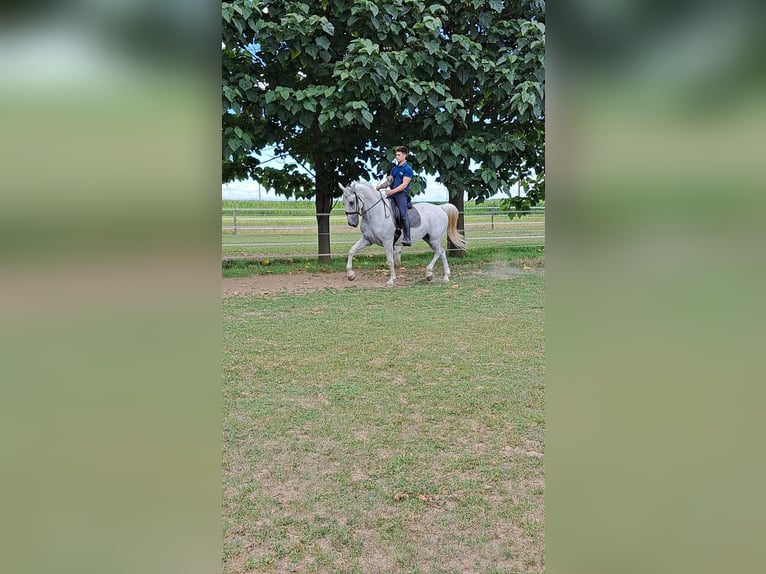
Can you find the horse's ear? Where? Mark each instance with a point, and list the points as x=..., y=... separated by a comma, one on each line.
x=341, y=186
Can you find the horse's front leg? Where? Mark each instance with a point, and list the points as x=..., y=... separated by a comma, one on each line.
x=361, y=244
x=390, y=258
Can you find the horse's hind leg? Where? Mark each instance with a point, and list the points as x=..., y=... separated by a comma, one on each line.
x=447, y=272
x=430, y=267
x=439, y=251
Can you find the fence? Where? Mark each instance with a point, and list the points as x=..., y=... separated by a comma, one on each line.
x=291, y=232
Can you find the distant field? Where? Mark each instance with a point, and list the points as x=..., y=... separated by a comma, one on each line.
x=288, y=229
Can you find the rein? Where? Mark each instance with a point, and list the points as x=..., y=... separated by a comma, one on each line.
x=361, y=211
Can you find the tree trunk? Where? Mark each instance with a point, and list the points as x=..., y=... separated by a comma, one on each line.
x=457, y=200
x=323, y=206
x=323, y=195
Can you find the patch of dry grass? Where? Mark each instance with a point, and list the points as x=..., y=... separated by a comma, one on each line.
x=354, y=442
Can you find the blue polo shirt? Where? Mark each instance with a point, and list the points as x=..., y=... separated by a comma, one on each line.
x=399, y=172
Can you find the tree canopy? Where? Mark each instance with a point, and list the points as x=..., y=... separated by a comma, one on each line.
x=335, y=85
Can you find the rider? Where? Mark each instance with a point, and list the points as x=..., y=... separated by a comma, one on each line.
x=398, y=184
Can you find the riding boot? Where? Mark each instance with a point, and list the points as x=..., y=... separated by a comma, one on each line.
x=406, y=226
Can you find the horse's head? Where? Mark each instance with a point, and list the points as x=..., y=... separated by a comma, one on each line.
x=352, y=205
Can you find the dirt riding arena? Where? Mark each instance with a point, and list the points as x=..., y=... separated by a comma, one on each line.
x=305, y=282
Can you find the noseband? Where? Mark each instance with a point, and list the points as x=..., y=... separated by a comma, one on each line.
x=360, y=207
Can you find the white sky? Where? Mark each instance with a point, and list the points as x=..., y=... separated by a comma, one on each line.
x=249, y=189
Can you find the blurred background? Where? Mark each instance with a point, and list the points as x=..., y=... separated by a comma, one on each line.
x=110, y=444
x=655, y=127
x=110, y=286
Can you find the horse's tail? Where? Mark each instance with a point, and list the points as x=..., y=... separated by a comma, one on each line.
x=454, y=236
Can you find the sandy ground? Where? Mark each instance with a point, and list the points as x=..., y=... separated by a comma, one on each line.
x=304, y=282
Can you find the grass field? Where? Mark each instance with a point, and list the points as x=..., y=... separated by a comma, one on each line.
x=386, y=430
x=288, y=228
x=483, y=255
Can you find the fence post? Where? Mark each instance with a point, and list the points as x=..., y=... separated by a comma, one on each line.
x=235, y=221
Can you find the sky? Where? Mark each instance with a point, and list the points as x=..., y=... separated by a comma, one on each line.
x=249, y=189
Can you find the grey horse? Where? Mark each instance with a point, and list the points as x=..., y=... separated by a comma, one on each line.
x=362, y=202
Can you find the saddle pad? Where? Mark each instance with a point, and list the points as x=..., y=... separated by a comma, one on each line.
x=412, y=214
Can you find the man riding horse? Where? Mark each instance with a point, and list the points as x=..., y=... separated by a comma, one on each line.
x=398, y=184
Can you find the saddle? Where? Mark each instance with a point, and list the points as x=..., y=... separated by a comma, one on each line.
x=412, y=214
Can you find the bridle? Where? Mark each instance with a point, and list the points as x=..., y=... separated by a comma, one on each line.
x=360, y=210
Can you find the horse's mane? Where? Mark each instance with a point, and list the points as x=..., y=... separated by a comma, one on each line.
x=365, y=184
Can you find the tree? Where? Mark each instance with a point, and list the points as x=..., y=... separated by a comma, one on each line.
x=475, y=110
x=281, y=92
x=336, y=84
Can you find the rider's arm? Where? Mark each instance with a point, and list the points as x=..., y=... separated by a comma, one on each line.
x=387, y=183
x=405, y=182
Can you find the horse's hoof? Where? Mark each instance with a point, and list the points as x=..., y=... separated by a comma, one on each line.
x=351, y=276
x=389, y=283
x=446, y=279
x=430, y=277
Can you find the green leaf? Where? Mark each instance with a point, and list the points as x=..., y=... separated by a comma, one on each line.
x=324, y=41
x=328, y=27
x=367, y=115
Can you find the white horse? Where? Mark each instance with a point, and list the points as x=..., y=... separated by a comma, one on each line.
x=361, y=200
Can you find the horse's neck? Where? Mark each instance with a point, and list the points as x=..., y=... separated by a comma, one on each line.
x=369, y=196
x=367, y=193
x=373, y=211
